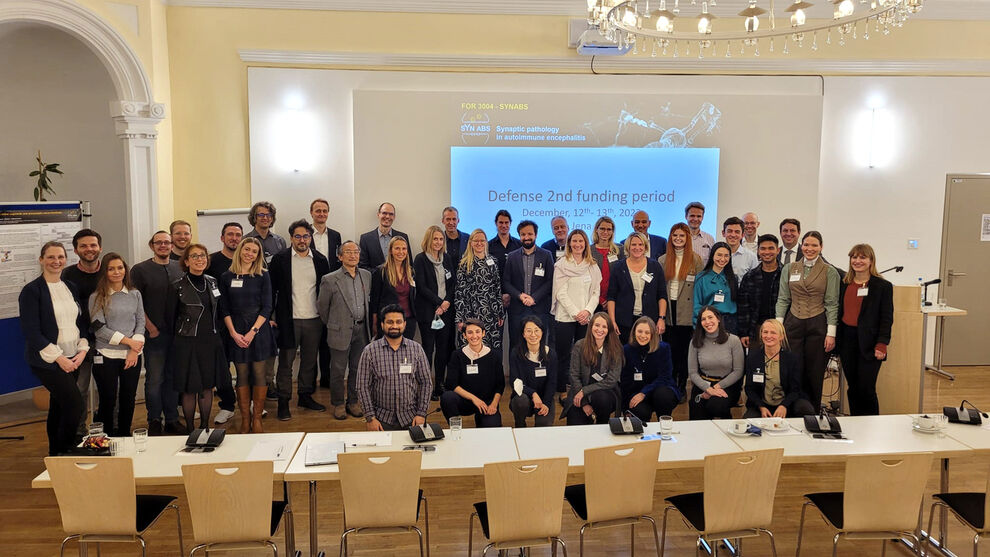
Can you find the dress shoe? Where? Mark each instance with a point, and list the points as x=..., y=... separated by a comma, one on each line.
x=307, y=402
x=354, y=409
x=283, y=410
x=272, y=393
x=154, y=428
x=339, y=412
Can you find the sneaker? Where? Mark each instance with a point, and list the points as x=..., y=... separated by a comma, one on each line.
x=306, y=401
x=354, y=409
x=174, y=428
x=283, y=410
x=223, y=416
x=264, y=413
x=272, y=394
x=339, y=412
x=154, y=428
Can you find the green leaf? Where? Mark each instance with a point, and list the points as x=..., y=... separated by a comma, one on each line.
x=41, y=182
x=35, y=173
x=36, y=194
x=51, y=166
x=56, y=171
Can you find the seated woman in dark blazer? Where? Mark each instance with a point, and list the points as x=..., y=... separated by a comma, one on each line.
x=866, y=314
x=596, y=361
x=647, y=380
x=475, y=379
x=392, y=283
x=532, y=375
x=773, y=377
x=55, y=344
x=636, y=287
x=436, y=273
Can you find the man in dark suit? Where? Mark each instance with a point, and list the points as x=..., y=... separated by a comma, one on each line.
x=326, y=240
x=503, y=243
x=457, y=241
x=528, y=281
x=558, y=243
x=374, y=244
x=658, y=244
x=296, y=273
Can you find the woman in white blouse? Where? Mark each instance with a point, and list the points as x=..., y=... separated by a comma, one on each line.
x=53, y=325
x=576, y=287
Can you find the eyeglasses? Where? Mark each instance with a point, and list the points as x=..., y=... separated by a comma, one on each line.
x=162, y=243
x=263, y=215
x=198, y=256
x=351, y=252
x=301, y=236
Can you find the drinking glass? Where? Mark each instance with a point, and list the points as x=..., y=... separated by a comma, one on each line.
x=666, y=427
x=116, y=447
x=141, y=439
x=95, y=428
x=455, y=428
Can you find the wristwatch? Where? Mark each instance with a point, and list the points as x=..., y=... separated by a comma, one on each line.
x=255, y=330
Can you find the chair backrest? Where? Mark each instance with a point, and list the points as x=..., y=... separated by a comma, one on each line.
x=231, y=501
x=884, y=492
x=739, y=489
x=619, y=480
x=95, y=495
x=525, y=498
x=380, y=489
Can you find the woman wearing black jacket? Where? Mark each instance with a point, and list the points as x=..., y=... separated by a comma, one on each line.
x=532, y=376
x=866, y=314
x=434, y=302
x=773, y=377
x=647, y=379
x=636, y=287
x=392, y=283
x=55, y=344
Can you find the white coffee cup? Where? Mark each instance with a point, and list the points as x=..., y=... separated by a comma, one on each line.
x=926, y=422
x=740, y=427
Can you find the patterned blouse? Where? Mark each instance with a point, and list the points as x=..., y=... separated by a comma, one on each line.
x=479, y=295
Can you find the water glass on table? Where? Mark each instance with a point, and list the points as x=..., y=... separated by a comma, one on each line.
x=455, y=428
x=666, y=427
x=141, y=439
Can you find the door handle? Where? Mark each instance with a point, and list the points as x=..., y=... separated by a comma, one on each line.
x=951, y=275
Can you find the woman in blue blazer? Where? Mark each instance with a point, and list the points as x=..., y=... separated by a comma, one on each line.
x=55, y=344
x=647, y=380
x=636, y=274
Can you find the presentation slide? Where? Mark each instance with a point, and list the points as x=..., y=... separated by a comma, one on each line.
x=582, y=184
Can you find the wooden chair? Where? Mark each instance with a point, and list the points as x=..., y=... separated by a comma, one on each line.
x=970, y=508
x=97, y=499
x=231, y=506
x=381, y=494
x=609, y=498
x=881, y=499
x=737, y=501
x=523, y=503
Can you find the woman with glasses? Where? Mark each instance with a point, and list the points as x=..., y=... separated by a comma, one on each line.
x=608, y=252
x=392, y=283
x=533, y=373
x=192, y=307
x=478, y=292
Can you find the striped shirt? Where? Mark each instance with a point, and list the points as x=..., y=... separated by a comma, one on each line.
x=385, y=392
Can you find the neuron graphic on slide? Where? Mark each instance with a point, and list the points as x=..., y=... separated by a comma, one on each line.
x=633, y=130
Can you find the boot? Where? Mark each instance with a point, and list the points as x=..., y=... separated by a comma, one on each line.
x=244, y=405
x=259, y=407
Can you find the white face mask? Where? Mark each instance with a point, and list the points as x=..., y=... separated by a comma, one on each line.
x=437, y=323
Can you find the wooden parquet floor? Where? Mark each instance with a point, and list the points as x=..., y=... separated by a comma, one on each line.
x=30, y=524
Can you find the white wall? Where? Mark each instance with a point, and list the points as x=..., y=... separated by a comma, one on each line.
x=54, y=96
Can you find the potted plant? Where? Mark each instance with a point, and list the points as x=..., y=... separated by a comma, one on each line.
x=44, y=181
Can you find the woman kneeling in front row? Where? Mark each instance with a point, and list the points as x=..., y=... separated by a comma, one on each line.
x=647, y=380
x=715, y=368
x=475, y=379
x=596, y=361
x=773, y=377
x=532, y=376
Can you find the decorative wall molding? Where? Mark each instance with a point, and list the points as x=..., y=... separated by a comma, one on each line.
x=574, y=64
x=134, y=119
x=934, y=9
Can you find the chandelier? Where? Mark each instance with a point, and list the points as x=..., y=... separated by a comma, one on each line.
x=642, y=26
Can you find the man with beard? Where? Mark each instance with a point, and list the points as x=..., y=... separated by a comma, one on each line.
x=230, y=236
x=374, y=243
x=394, y=379
x=87, y=245
x=558, y=243
x=262, y=218
x=528, y=281
x=658, y=244
x=758, y=291
x=181, y=232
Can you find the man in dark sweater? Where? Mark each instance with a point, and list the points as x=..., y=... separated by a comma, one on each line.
x=87, y=244
x=758, y=291
x=230, y=237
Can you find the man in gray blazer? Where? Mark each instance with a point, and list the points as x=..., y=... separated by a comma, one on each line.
x=343, y=307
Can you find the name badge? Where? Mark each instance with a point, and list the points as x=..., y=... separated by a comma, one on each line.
x=862, y=291
x=540, y=372
x=236, y=283
x=758, y=377
x=613, y=258
x=795, y=278
x=560, y=253
x=489, y=261
x=216, y=292
x=647, y=277
x=446, y=274
x=98, y=359
x=689, y=278
x=638, y=376
x=586, y=280
x=472, y=369
x=405, y=369
x=596, y=376
x=539, y=271
x=718, y=298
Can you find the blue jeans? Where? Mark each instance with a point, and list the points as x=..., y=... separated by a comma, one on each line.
x=159, y=396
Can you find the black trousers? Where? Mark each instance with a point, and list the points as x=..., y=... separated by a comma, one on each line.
x=796, y=409
x=522, y=407
x=715, y=407
x=567, y=333
x=437, y=344
x=661, y=401
x=861, y=375
x=65, y=408
x=453, y=404
x=602, y=405
x=113, y=380
x=324, y=359
x=679, y=339
x=807, y=339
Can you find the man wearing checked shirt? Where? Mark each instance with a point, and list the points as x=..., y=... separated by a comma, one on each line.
x=394, y=380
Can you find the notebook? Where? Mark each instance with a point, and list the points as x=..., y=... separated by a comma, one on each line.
x=319, y=454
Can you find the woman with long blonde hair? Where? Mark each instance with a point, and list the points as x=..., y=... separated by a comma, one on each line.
x=773, y=377
x=478, y=293
x=434, y=300
x=393, y=283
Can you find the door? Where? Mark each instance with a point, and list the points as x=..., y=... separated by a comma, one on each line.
x=965, y=267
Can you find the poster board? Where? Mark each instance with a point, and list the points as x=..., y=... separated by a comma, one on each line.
x=209, y=223
x=24, y=228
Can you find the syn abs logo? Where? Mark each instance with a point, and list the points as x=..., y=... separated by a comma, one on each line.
x=475, y=128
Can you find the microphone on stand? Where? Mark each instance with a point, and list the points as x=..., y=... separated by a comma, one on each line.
x=896, y=269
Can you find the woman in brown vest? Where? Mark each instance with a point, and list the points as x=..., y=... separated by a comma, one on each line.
x=808, y=306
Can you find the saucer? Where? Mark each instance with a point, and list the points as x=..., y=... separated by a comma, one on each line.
x=933, y=429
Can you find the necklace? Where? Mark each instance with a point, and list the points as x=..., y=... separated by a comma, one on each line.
x=194, y=286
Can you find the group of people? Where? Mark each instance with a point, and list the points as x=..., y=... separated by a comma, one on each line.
x=593, y=325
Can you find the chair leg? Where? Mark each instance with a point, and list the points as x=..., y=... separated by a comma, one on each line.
x=192, y=552
x=663, y=530
x=632, y=540
x=835, y=544
x=272, y=545
x=471, y=532
x=773, y=546
x=65, y=541
x=697, y=547
x=144, y=547
x=420, y=534
x=976, y=547
x=883, y=548
x=487, y=547
x=343, y=542
x=931, y=520
x=178, y=523
x=563, y=546
x=581, y=540
x=917, y=542
x=804, y=508
x=426, y=514
x=656, y=536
